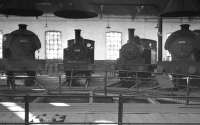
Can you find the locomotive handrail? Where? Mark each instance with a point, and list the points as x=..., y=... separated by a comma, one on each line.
x=107, y=68
x=20, y=76
x=184, y=76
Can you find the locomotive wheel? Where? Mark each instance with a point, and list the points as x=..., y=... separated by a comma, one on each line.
x=126, y=82
x=179, y=83
x=29, y=82
x=81, y=79
x=11, y=82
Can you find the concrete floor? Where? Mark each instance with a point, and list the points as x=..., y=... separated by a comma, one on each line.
x=82, y=112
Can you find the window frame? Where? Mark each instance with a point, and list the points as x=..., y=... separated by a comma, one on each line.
x=106, y=47
x=46, y=42
x=1, y=50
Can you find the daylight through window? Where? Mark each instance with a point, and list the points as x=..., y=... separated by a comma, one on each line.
x=113, y=44
x=53, y=45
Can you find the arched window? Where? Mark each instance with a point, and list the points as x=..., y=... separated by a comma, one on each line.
x=53, y=45
x=113, y=44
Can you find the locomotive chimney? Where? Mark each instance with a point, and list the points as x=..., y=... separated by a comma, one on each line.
x=77, y=33
x=131, y=34
x=22, y=26
x=185, y=27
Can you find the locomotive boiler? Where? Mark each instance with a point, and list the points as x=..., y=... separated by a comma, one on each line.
x=19, y=49
x=135, y=59
x=184, y=47
x=78, y=60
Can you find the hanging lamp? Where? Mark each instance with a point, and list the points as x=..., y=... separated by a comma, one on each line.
x=20, y=8
x=76, y=9
x=182, y=8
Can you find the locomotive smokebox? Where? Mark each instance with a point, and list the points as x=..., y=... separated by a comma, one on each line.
x=182, y=44
x=131, y=34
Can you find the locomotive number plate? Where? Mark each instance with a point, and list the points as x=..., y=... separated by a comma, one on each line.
x=77, y=50
x=182, y=42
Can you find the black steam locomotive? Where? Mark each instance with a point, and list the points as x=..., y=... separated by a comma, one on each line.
x=184, y=47
x=19, y=49
x=135, y=59
x=78, y=60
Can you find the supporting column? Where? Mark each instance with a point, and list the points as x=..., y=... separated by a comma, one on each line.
x=26, y=101
x=60, y=83
x=187, y=91
x=160, y=39
x=105, y=83
x=120, y=110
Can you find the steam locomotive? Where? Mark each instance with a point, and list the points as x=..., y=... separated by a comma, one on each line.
x=78, y=60
x=135, y=60
x=184, y=47
x=19, y=49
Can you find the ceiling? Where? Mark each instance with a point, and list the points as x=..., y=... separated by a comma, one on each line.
x=132, y=8
x=114, y=7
